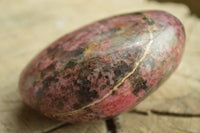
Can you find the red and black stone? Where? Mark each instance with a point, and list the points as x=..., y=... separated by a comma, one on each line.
x=104, y=68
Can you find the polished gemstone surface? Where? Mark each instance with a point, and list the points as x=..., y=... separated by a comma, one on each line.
x=104, y=68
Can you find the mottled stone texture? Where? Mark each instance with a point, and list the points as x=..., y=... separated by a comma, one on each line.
x=104, y=68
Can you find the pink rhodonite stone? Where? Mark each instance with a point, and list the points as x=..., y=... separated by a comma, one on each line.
x=104, y=68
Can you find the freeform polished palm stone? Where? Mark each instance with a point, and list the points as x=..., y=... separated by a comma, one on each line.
x=104, y=68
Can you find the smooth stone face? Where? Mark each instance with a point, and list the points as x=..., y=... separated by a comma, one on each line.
x=104, y=68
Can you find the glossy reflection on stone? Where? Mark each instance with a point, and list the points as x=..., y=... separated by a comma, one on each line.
x=104, y=68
